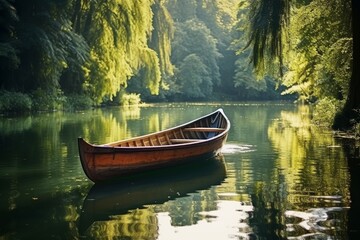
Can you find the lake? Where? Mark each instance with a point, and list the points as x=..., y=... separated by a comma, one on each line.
x=278, y=177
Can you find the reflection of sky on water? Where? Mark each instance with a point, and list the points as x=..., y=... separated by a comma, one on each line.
x=228, y=221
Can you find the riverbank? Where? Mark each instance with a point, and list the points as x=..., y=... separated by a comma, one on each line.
x=39, y=101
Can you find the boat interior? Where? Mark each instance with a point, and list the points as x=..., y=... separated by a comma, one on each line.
x=200, y=130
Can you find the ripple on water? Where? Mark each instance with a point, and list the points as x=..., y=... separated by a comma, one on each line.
x=237, y=148
x=314, y=220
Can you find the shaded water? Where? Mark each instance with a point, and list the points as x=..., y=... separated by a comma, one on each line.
x=278, y=178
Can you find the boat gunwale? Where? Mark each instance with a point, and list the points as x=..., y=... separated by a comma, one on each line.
x=113, y=145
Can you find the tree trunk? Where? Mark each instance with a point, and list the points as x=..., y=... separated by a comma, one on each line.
x=350, y=113
x=353, y=103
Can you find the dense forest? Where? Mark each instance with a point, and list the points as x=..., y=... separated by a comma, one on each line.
x=72, y=54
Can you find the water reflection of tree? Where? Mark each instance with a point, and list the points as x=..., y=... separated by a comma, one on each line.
x=184, y=211
x=267, y=221
x=301, y=149
x=137, y=224
x=308, y=180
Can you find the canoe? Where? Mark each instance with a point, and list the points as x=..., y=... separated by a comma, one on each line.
x=104, y=201
x=197, y=139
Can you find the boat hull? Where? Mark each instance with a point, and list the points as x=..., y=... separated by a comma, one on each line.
x=106, y=162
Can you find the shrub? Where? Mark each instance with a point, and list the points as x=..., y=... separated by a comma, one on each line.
x=77, y=102
x=325, y=111
x=14, y=102
x=130, y=99
x=47, y=100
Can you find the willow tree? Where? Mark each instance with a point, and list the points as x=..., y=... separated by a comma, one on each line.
x=160, y=41
x=117, y=32
x=161, y=36
x=269, y=25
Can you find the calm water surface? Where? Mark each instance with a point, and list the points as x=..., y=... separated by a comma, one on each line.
x=278, y=178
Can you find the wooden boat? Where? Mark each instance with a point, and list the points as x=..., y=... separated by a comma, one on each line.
x=200, y=138
x=104, y=201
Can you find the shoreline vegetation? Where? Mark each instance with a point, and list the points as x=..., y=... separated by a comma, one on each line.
x=21, y=103
x=40, y=101
x=17, y=103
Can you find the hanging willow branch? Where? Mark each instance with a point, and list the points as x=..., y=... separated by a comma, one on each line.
x=268, y=18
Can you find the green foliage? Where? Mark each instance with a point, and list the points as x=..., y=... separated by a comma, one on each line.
x=194, y=78
x=117, y=33
x=94, y=48
x=47, y=100
x=245, y=79
x=9, y=59
x=162, y=35
x=77, y=102
x=325, y=111
x=194, y=37
x=123, y=98
x=314, y=51
x=152, y=72
x=14, y=102
x=334, y=71
x=130, y=99
x=319, y=57
x=48, y=45
x=86, y=47
x=267, y=21
x=181, y=10
x=250, y=82
x=193, y=42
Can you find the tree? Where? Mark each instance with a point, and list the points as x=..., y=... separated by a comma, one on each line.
x=349, y=115
x=249, y=85
x=181, y=10
x=267, y=19
x=219, y=16
x=118, y=32
x=269, y=22
x=47, y=46
x=161, y=36
x=318, y=53
x=9, y=59
x=194, y=78
x=193, y=37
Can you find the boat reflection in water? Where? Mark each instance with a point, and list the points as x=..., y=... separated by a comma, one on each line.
x=104, y=201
